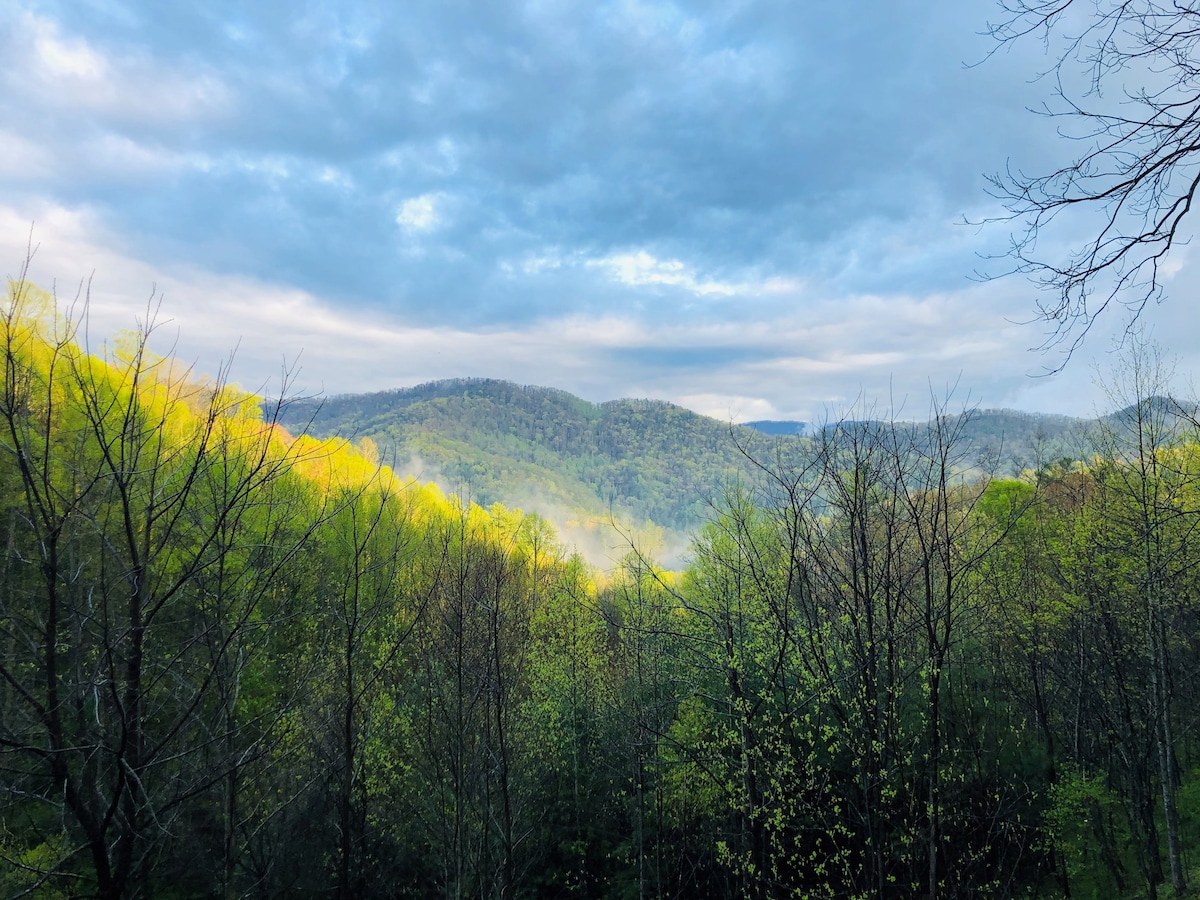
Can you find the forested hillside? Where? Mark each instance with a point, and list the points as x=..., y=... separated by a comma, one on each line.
x=238, y=662
x=642, y=460
x=639, y=460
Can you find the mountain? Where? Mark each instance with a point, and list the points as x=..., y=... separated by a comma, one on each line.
x=1165, y=412
x=642, y=461
x=544, y=449
x=776, y=427
x=1006, y=442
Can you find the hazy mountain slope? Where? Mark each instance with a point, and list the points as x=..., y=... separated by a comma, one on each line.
x=1005, y=442
x=539, y=447
x=644, y=460
x=1002, y=442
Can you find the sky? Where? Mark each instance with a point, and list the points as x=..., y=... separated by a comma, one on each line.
x=757, y=209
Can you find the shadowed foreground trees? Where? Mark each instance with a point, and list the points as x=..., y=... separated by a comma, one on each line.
x=147, y=518
x=234, y=663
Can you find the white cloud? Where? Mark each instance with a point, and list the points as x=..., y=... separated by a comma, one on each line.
x=68, y=73
x=641, y=269
x=65, y=58
x=730, y=407
x=868, y=348
x=420, y=214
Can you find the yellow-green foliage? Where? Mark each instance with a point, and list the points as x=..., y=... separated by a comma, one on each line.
x=234, y=661
x=181, y=410
x=31, y=871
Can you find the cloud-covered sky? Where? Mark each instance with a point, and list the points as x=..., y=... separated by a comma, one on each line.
x=754, y=208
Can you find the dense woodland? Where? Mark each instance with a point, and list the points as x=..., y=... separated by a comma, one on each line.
x=234, y=662
x=640, y=460
x=644, y=462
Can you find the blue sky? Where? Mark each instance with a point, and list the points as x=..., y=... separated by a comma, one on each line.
x=755, y=209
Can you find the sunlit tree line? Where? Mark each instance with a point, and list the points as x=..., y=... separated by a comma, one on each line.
x=238, y=663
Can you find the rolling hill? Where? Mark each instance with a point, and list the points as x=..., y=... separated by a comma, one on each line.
x=544, y=449
x=640, y=461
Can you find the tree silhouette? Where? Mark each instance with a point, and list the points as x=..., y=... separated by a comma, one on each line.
x=1126, y=75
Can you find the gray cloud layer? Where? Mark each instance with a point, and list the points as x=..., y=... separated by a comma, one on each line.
x=746, y=192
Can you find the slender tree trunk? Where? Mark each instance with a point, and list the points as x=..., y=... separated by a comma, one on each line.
x=1164, y=737
x=934, y=798
x=346, y=792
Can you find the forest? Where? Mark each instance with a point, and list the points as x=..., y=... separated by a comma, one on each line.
x=641, y=460
x=645, y=462
x=240, y=662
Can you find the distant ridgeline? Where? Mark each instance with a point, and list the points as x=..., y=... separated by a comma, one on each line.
x=642, y=460
x=771, y=426
x=544, y=449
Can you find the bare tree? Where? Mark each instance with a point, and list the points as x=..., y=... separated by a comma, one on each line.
x=1127, y=84
x=146, y=519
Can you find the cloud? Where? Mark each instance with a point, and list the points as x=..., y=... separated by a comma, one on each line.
x=756, y=204
x=730, y=407
x=825, y=354
x=722, y=141
x=641, y=269
x=64, y=59
x=65, y=71
x=420, y=214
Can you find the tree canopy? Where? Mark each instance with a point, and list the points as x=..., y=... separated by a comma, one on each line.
x=237, y=662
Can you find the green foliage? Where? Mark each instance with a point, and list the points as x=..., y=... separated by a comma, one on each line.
x=1084, y=822
x=535, y=447
x=35, y=870
x=640, y=460
x=234, y=662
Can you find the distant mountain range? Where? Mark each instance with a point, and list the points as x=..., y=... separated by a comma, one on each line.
x=772, y=426
x=641, y=461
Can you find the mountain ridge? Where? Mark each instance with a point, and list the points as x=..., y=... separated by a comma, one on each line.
x=640, y=460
